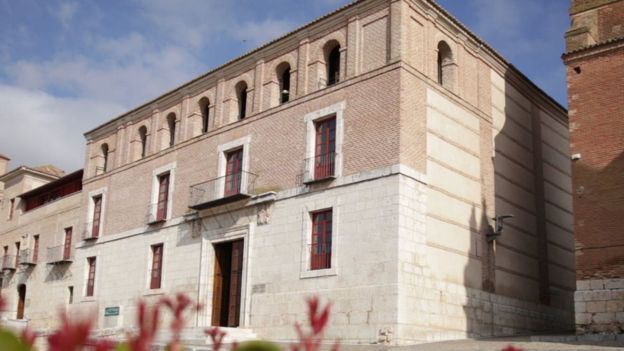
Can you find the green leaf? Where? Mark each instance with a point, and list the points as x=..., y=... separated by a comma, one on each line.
x=10, y=342
x=258, y=345
x=123, y=347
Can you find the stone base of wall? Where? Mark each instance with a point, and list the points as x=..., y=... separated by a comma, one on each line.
x=599, y=306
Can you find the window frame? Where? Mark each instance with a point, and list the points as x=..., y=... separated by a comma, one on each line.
x=243, y=143
x=307, y=270
x=154, y=201
x=159, y=285
x=102, y=192
x=311, y=119
x=91, y=276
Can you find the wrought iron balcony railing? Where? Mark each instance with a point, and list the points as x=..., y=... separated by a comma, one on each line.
x=27, y=257
x=320, y=256
x=155, y=214
x=90, y=232
x=59, y=254
x=320, y=167
x=9, y=262
x=221, y=190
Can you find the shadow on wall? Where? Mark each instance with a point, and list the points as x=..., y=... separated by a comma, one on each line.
x=599, y=197
x=515, y=265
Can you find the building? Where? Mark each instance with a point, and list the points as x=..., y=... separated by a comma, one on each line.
x=40, y=207
x=595, y=72
x=370, y=157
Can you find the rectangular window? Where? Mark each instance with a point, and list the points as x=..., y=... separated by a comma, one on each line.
x=320, y=253
x=163, y=197
x=233, y=172
x=17, y=253
x=91, y=276
x=11, y=208
x=35, y=254
x=97, y=215
x=325, y=148
x=67, y=244
x=156, y=273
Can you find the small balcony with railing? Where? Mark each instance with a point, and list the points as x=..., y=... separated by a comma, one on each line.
x=90, y=231
x=156, y=213
x=320, y=168
x=9, y=263
x=222, y=190
x=320, y=256
x=27, y=257
x=59, y=254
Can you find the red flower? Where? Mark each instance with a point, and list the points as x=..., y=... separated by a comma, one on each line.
x=71, y=336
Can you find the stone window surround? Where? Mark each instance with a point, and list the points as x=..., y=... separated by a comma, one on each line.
x=89, y=219
x=85, y=279
x=222, y=150
x=169, y=168
x=336, y=110
x=306, y=242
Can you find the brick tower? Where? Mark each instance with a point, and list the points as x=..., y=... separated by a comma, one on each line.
x=595, y=73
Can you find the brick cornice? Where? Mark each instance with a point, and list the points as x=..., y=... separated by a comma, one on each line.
x=600, y=48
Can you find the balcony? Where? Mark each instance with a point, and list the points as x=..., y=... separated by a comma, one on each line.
x=58, y=255
x=8, y=263
x=154, y=216
x=320, y=168
x=320, y=256
x=90, y=232
x=222, y=190
x=27, y=257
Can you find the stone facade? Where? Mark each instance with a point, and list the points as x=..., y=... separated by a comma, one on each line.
x=423, y=162
x=595, y=72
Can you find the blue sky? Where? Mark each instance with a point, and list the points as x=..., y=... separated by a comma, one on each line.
x=67, y=66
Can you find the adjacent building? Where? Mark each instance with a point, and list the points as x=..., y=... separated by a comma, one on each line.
x=595, y=72
x=371, y=157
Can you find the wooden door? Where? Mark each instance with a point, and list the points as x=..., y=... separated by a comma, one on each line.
x=21, y=292
x=233, y=172
x=227, y=290
x=236, y=275
x=97, y=211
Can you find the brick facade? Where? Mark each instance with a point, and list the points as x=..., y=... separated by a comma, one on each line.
x=422, y=164
x=595, y=71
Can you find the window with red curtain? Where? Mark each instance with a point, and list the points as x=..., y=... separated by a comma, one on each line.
x=233, y=172
x=156, y=273
x=325, y=148
x=163, y=197
x=321, y=240
x=35, y=254
x=91, y=276
x=97, y=214
x=67, y=244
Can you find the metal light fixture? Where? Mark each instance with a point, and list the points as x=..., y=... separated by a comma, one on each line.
x=499, y=221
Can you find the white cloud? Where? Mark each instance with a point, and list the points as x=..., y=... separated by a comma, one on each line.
x=65, y=12
x=44, y=129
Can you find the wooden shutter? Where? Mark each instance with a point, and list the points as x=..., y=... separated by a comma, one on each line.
x=163, y=197
x=97, y=212
x=67, y=244
x=217, y=291
x=325, y=148
x=156, y=274
x=91, y=277
x=233, y=172
x=321, y=240
x=235, y=283
x=35, y=254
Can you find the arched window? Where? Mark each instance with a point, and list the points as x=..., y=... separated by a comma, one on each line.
x=445, y=65
x=171, y=122
x=143, y=139
x=104, y=157
x=283, y=74
x=332, y=58
x=241, y=92
x=204, y=108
